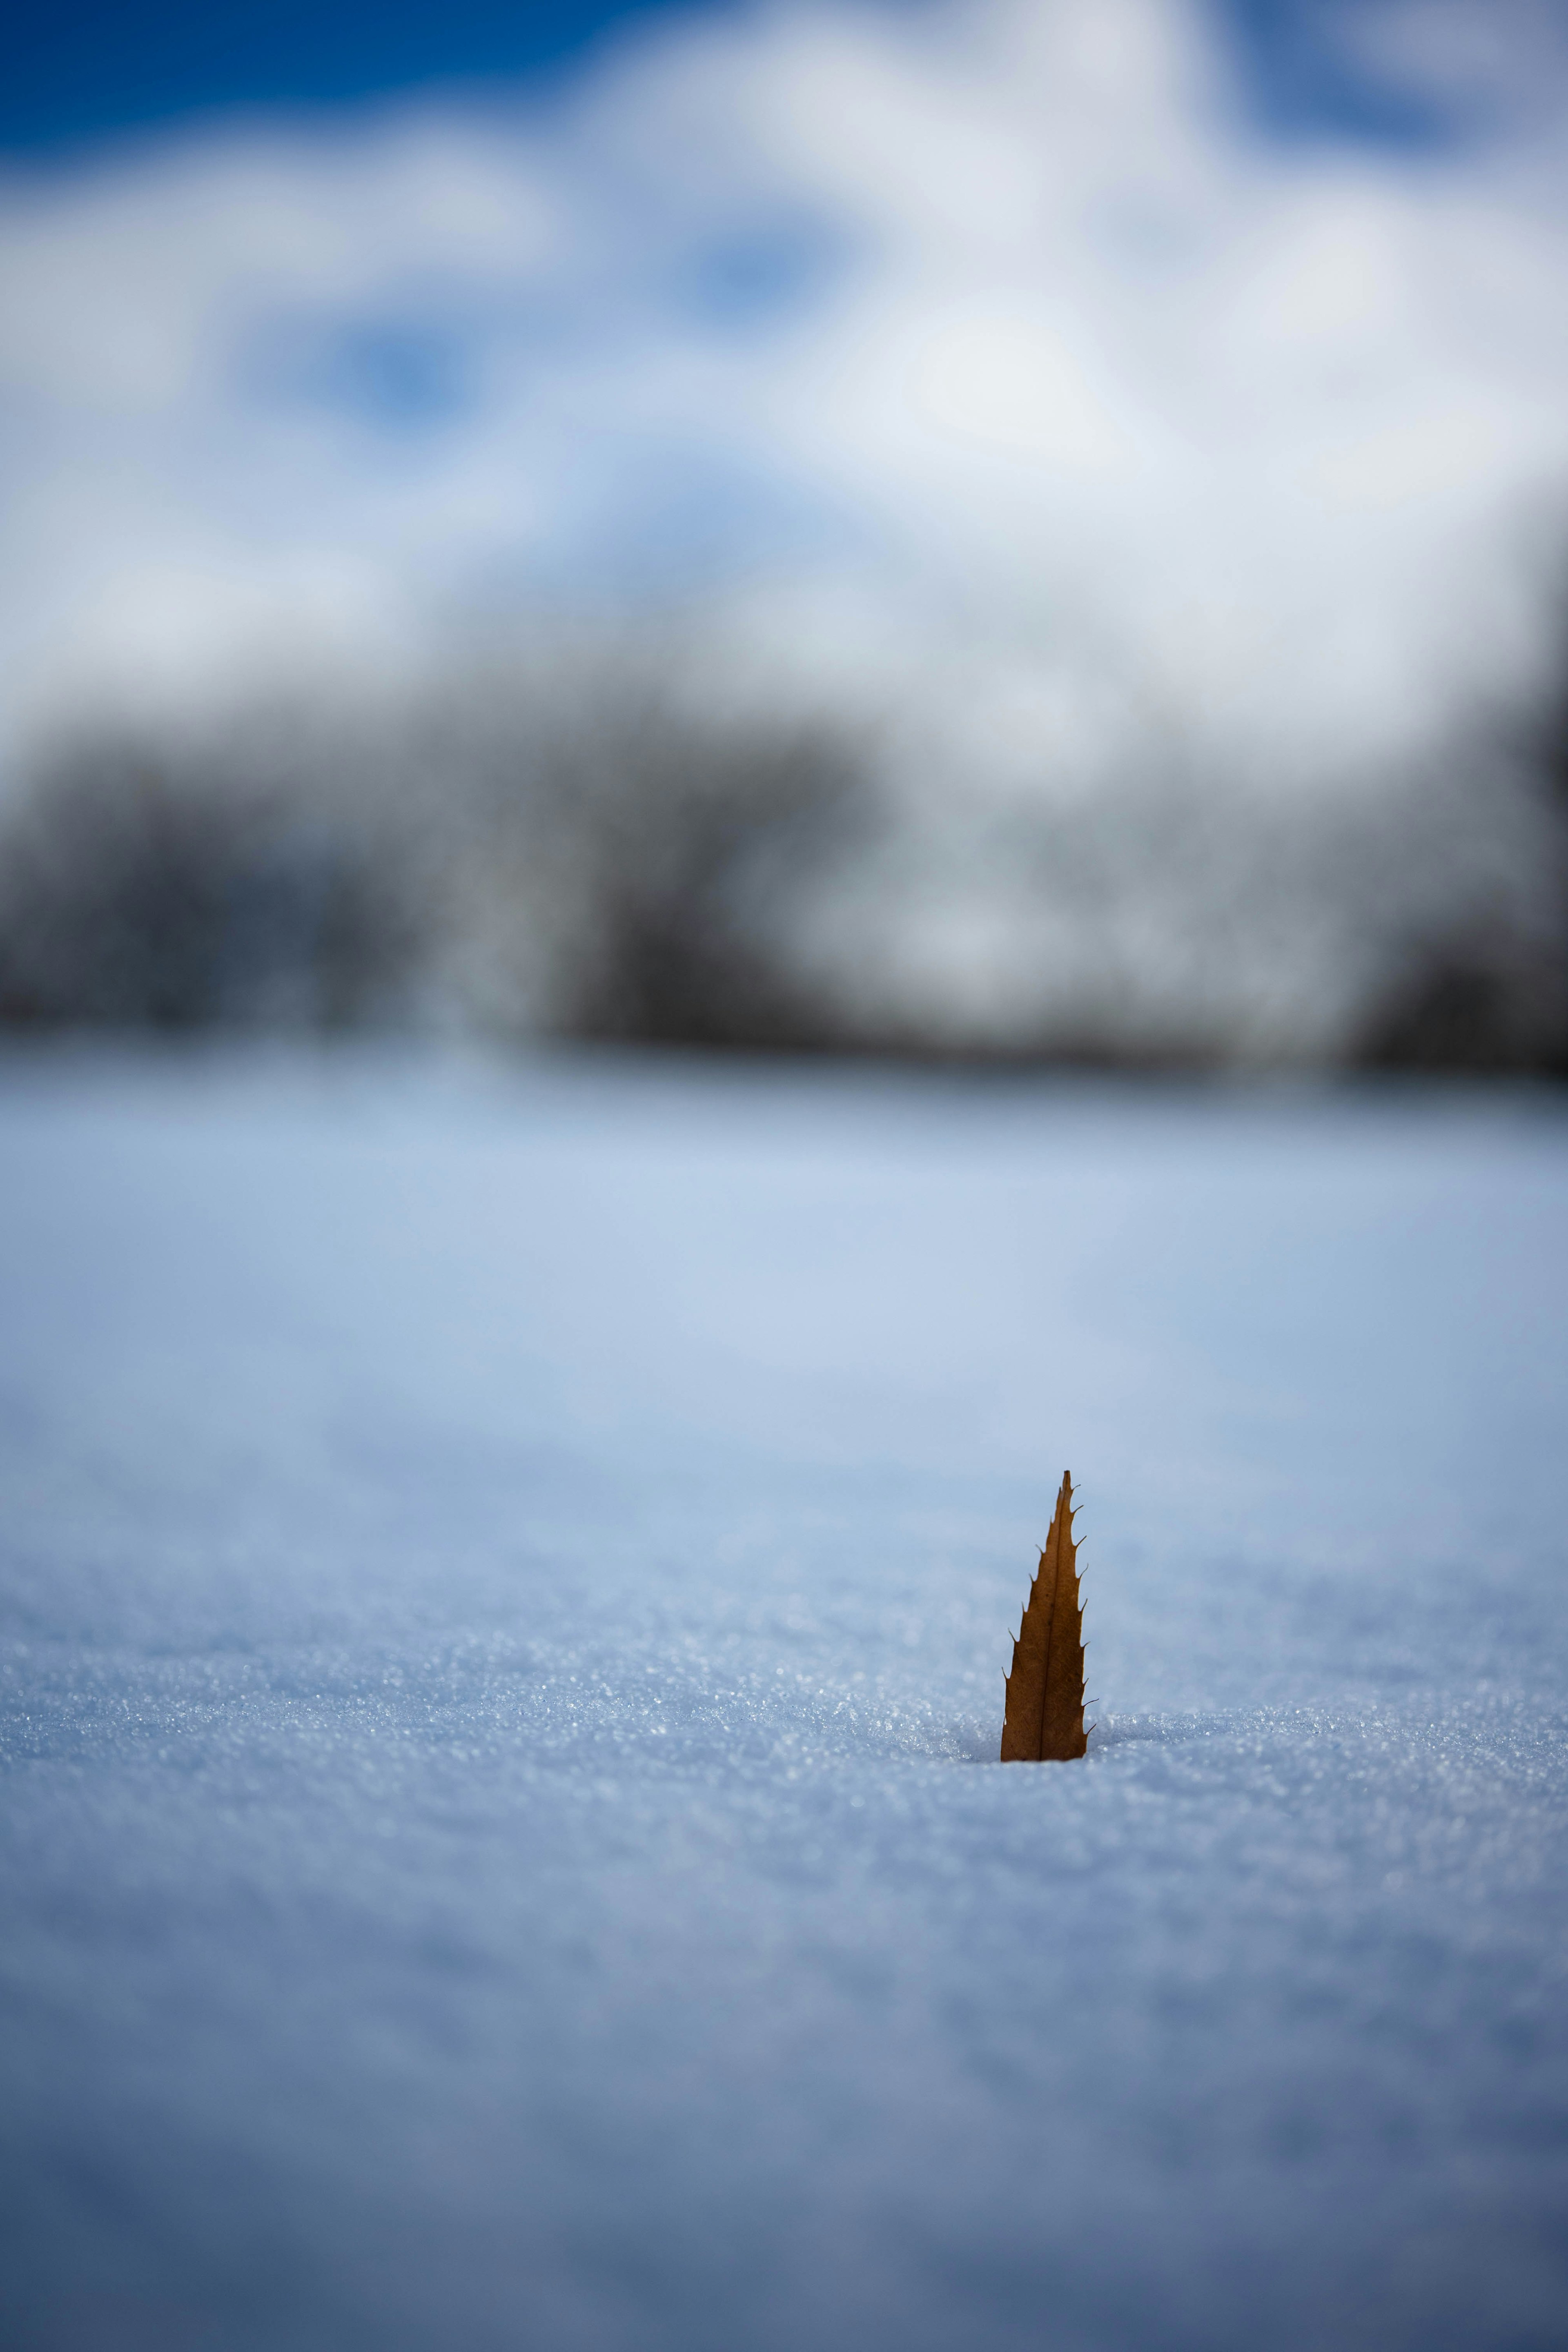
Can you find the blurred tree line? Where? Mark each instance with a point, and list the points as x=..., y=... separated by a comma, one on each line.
x=595, y=853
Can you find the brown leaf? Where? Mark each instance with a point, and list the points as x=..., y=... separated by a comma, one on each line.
x=1044, y=1721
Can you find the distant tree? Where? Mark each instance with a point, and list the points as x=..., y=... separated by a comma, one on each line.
x=148, y=886
x=701, y=846
x=1487, y=990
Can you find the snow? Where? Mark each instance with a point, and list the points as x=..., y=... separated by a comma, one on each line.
x=507, y=1574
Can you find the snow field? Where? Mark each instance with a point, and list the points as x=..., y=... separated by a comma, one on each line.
x=507, y=1582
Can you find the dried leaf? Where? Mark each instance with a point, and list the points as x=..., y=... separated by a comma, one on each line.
x=1044, y=1721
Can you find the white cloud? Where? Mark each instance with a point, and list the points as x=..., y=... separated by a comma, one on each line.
x=987, y=340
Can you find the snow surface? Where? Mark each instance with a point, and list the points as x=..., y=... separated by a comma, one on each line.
x=507, y=1577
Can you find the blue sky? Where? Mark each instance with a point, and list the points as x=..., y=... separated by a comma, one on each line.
x=75, y=77
x=1165, y=354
